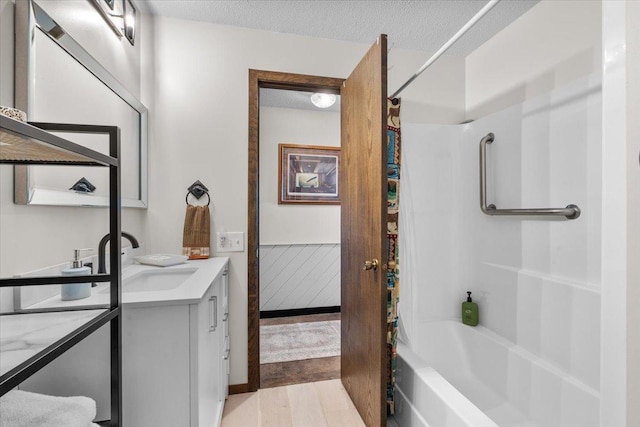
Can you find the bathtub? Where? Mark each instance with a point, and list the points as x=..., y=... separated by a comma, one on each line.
x=460, y=376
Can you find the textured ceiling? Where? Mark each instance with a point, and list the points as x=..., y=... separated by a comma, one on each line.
x=410, y=24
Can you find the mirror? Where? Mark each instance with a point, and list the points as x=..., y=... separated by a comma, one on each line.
x=58, y=81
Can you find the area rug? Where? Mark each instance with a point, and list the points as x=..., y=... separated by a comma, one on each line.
x=299, y=341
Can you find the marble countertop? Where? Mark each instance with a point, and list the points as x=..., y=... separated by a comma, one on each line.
x=25, y=335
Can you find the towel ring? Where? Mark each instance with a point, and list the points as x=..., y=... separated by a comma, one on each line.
x=186, y=199
x=197, y=190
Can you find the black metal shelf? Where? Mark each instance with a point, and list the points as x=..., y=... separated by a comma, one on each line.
x=27, y=144
x=30, y=143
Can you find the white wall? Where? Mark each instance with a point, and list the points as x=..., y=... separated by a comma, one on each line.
x=36, y=236
x=552, y=44
x=201, y=127
x=287, y=223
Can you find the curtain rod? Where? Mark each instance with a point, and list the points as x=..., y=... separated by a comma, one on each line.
x=448, y=44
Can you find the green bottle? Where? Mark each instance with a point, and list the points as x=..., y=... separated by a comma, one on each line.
x=469, y=311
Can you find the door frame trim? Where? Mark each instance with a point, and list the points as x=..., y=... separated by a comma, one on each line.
x=272, y=80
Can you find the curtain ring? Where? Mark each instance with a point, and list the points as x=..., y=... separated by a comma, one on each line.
x=186, y=199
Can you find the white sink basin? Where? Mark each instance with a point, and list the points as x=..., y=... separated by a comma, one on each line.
x=155, y=280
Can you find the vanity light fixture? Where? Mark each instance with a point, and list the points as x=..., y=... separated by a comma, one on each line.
x=130, y=22
x=323, y=100
x=113, y=13
x=120, y=15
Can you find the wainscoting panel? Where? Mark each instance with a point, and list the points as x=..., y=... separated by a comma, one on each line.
x=299, y=276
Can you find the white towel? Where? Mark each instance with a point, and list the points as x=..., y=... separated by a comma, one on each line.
x=24, y=409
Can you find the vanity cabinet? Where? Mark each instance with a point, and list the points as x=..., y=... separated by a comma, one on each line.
x=174, y=360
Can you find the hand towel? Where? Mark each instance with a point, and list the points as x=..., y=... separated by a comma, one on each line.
x=25, y=409
x=196, y=234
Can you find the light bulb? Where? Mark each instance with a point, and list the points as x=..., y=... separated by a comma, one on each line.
x=323, y=100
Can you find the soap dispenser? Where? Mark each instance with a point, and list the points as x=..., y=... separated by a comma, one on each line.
x=469, y=311
x=73, y=291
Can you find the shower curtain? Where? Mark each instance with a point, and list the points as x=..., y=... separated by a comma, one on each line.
x=393, y=284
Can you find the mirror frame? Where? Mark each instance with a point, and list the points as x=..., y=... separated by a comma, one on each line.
x=29, y=18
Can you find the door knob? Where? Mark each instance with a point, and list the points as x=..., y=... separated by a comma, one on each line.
x=370, y=265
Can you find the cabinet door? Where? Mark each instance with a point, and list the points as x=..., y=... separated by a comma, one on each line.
x=156, y=366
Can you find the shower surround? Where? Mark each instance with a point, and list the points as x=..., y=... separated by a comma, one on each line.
x=537, y=281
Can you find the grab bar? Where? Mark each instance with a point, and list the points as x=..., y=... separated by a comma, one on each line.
x=570, y=212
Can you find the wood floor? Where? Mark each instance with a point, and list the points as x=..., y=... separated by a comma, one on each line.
x=302, y=393
x=317, y=404
x=299, y=371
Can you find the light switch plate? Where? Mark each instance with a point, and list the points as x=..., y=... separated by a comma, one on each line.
x=230, y=241
x=236, y=241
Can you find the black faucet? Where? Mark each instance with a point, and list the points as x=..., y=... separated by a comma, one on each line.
x=103, y=244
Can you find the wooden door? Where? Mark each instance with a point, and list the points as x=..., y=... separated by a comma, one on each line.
x=363, y=188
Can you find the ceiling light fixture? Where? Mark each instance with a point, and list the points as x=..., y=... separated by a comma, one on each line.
x=323, y=100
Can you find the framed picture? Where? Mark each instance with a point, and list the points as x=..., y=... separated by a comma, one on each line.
x=308, y=174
